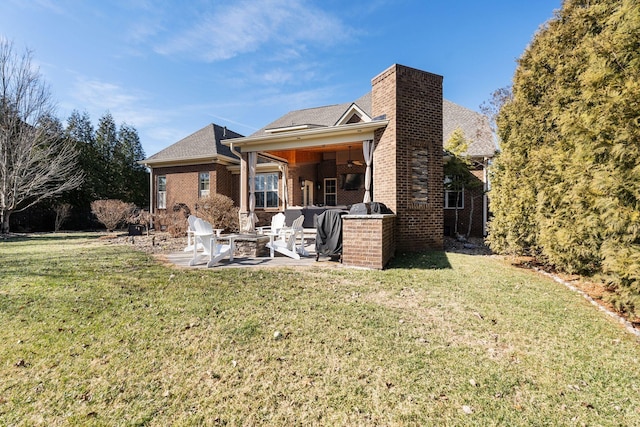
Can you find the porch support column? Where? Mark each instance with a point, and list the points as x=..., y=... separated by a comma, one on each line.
x=253, y=161
x=244, y=189
x=247, y=190
x=284, y=169
x=243, y=212
x=367, y=149
x=151, y=198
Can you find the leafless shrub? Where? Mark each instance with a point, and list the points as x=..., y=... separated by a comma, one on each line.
x=174, y=221
x=111, y=212
x=63, y=211
x=219, y=210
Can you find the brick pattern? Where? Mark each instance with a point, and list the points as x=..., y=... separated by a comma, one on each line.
x=412, y=102
x=349, y=197
x=368, y=241
x=182, y=183
x=463, y=214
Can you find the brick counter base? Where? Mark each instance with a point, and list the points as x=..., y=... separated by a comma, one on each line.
x=368, y=240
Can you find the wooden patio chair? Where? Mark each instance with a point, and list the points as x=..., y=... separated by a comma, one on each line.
x=220, y=251
x=191, y=240
x=277, y=224
x=202, y=233
x=284, y=240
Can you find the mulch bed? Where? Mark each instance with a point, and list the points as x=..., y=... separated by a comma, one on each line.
x=154, y=243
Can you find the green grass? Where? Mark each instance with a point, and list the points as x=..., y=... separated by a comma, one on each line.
x=103, y=335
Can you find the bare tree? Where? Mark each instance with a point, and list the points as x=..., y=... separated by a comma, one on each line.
x=63, y=212
x=36, y=161
x=491, y=108
x=112, y=212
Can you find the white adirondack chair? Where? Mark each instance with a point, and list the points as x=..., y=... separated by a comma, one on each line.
x=277, y=224
x=284, y=241
x=220, y=251
x=298, y=232
x=215, y=251
x=191, y=239
x=202, y=234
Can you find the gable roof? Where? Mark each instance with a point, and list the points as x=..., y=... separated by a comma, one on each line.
x=326, y=116
x=201, y=145
x=312, y=117
x=474, y=125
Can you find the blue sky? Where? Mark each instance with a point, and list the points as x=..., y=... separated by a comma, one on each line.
x=170, y=67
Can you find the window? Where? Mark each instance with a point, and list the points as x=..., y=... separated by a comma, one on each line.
x=453, y=193
x=162, y=192
x=330, y=189
x=266, y=190
x=203, y=185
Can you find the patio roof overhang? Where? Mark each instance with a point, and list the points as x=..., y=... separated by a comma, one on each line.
x=187, y=161
x=307, y=138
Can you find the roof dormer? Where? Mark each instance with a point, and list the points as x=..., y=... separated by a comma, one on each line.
x=354, y=114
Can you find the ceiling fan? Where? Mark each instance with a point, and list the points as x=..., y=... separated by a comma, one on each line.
x=350, y=162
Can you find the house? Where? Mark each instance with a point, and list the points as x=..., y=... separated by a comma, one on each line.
x=385, y=146
x=473, y=206
x=193, y=167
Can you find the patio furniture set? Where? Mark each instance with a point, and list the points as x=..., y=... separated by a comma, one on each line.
x=207, y=242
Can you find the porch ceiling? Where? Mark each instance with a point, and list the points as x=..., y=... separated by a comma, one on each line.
x=314, y=154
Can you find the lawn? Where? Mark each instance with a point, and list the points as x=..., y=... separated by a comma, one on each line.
x=94, y=334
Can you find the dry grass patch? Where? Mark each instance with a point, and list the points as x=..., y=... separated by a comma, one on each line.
x=99, y=334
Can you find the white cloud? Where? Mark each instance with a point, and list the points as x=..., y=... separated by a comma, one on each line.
x=98, y=97
x=99, y=94
x=247, y=26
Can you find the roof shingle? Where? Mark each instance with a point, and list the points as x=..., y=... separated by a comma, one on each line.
x=205, y=142
x=474, y=125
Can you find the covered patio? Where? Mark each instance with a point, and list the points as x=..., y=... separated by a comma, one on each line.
x=317, y=166
x=320, y=168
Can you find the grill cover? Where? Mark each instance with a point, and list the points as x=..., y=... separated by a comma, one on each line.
x=329, y=233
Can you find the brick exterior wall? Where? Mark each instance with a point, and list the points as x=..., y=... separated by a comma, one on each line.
x=182, y=183
x=350, y=197
x=408, y=155
x=463, y=214
x=368, y=240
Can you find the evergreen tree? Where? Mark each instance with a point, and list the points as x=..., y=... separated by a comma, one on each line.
x=106, y=174
x=566, y=186
x=133, y=179
x=109, y=159
x=80, y=131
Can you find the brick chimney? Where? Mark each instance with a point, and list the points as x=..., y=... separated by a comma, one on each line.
x=407, y=162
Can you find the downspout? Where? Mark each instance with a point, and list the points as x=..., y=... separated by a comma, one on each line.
x=234, y=151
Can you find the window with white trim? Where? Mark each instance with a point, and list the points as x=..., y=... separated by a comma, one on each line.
x=330, y=191
x=266, y=190
x=453, y=193
x=162, y=192
x=203, y=185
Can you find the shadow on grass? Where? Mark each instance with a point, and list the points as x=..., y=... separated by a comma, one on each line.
x=61, y=236
x=430, y=260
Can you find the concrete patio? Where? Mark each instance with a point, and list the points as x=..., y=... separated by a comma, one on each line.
x=181, y=259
